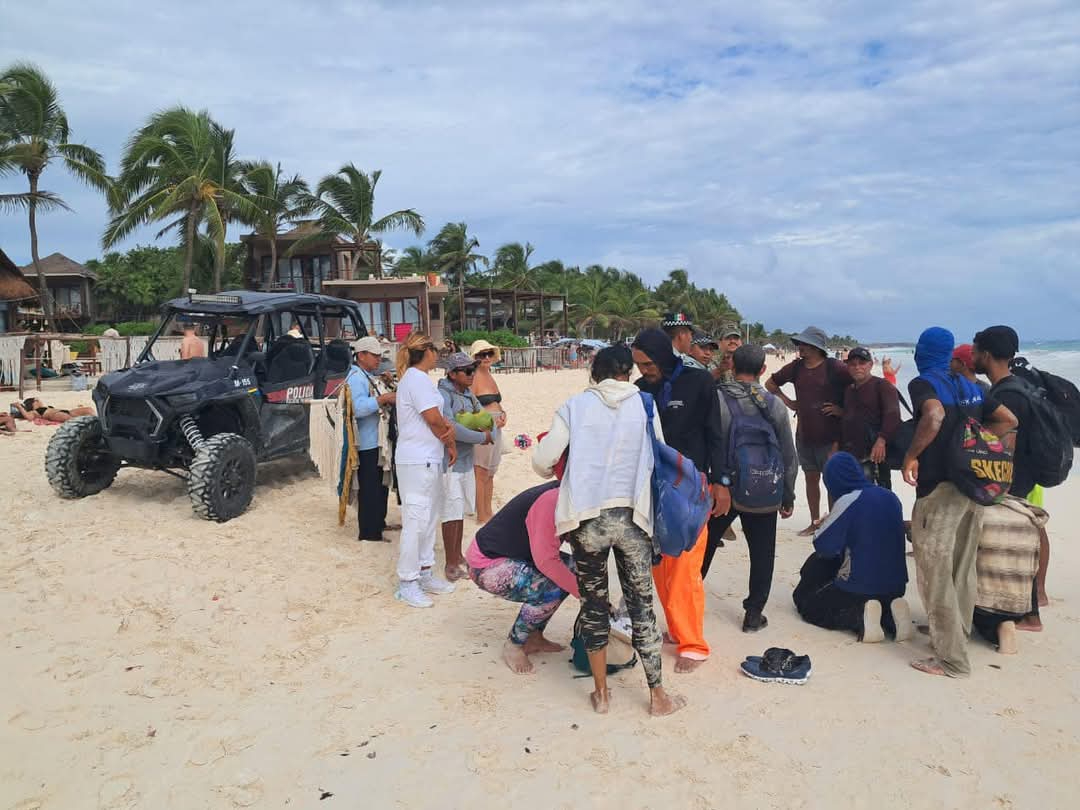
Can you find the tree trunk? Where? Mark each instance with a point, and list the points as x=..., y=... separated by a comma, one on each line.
x=219, y=260
x=189, y=250
x=356, y=263
x=43, y=287
x=273, y=260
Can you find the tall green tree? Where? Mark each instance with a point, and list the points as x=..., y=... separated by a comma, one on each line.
x=628, y=309
x=179, y=168
x=589, y=305
x=454, y=252
x=414, y=261
x=279, y=199
x=511, y=267
x=34, y=132
x=344, y=204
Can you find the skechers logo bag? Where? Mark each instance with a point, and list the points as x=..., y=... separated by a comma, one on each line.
x=979, y=464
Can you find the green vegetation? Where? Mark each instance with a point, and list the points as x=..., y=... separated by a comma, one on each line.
x=34, y=132
x=500, y=337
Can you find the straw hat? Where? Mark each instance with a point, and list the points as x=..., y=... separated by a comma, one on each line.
x=483, y=346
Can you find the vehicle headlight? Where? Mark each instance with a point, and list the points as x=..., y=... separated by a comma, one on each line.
x=180, y=400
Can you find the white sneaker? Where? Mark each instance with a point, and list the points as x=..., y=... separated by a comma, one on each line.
x=872, y=632
x=622, y=628
x=412, y=595
x=432, y=584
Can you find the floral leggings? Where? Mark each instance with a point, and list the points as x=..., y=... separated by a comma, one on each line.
x=518, y=581
x=592, y=543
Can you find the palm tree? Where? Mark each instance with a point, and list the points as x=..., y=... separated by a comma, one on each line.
x=629, y=309
x=511, y=266
x=345, y=204
x=33, y=132
x=279, y=201
x=413, y=261
x=589, y=305
x=180, y=164
x=452, y=249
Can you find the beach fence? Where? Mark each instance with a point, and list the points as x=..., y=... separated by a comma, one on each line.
x=534, y=358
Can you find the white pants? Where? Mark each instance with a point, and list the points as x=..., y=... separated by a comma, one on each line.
x=421, y=490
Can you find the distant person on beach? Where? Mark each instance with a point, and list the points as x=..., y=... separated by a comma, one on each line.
x=488, y=457
x=752, y=419
x=995, y=347
x=963, y=365
x=819, y=383
x=33, y=408
x=516, y=556
x=889, y=371
x=680, y=331
x=690, y=412
x=856, y=577
x=870, y=417
x=191, y=346
x=945, y=523
x=370, y=398
x=423, y=432
x=605, y=505
x=459, y=481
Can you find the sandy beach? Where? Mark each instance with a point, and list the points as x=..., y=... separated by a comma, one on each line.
x=154, y=660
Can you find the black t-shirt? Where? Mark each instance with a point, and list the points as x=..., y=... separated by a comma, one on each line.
x=505, y=535
x=1017, y=402
x=691, y=420
x=933, y=463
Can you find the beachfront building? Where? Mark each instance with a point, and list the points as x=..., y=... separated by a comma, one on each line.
x=392, y=307
x=15, y=292
x=539, y=313
x=71, y=288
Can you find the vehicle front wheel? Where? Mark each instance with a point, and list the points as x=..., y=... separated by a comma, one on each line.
x=77, y=463
x=221, y=480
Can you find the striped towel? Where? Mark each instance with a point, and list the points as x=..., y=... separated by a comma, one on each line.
x=1008, y=555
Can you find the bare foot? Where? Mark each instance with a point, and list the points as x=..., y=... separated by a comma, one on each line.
x=928, y=665
x=683, y=664
x=662, y=704
x=809, y=530
x=456, y=572
x=536, y=643
x=1044, y=600
x=599, y=701
x=516, y=658
x=1007, y=638
x=1031, y=624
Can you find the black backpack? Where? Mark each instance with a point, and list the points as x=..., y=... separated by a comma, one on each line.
x=1045, y=444
x=1061, y=393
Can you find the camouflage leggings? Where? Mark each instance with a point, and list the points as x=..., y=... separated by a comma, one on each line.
x=592, y=543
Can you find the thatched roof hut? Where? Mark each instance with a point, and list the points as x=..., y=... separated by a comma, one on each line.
x=13, y=284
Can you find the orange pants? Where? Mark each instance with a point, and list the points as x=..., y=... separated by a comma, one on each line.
x=682, y=595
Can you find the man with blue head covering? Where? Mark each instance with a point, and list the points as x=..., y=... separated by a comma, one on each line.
x=945, y=523
x=856, y=577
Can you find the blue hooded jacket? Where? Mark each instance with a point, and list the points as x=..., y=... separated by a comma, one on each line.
x=866, y=529
x=933, y=353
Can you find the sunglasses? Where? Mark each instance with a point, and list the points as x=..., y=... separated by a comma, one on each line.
x=484, y=355
x=466, y=371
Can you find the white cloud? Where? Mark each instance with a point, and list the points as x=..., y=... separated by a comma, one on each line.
x=870, y=170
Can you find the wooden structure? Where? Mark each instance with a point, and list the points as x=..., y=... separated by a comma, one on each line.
x=490, y=308
x=307, y=269
x=14, y=288
x=393, y=307
x=70, y=286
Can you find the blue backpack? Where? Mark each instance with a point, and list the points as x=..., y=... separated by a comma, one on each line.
x=754, y=457
x=680, y=494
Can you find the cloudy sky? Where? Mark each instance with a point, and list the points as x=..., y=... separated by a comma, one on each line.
x=868, y=167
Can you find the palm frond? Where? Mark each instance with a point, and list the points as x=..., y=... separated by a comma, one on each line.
x=44, y=201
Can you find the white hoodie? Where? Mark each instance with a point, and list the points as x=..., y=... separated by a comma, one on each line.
x=610, y=462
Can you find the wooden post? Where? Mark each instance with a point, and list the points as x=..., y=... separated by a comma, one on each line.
x=541, y=317
x=22, y=368
x=515, y=311
x=565, y=322
x=491, y=323
x=127, y=352
x=37, y=360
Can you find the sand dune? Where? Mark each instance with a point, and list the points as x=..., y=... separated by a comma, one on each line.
x=151, y=659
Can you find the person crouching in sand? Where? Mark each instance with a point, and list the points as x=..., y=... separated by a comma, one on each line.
x=515, y=555
x=605, y=504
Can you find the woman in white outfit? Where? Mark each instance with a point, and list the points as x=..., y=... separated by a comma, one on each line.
x=423, y=432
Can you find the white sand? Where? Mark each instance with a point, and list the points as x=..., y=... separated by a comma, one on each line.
x=151, y=659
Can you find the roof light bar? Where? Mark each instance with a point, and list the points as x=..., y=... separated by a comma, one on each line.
x=208, y=298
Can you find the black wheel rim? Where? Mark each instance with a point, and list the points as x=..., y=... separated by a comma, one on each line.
x=93, y=464
x=235, y=480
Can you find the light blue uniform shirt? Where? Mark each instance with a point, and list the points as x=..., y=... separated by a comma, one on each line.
x=366, y=409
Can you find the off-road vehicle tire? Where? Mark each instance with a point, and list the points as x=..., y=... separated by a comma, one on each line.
x=76, y=462
x=221, y=480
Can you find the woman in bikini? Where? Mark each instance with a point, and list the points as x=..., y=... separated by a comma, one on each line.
x=486, y=457
x=32, y=408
